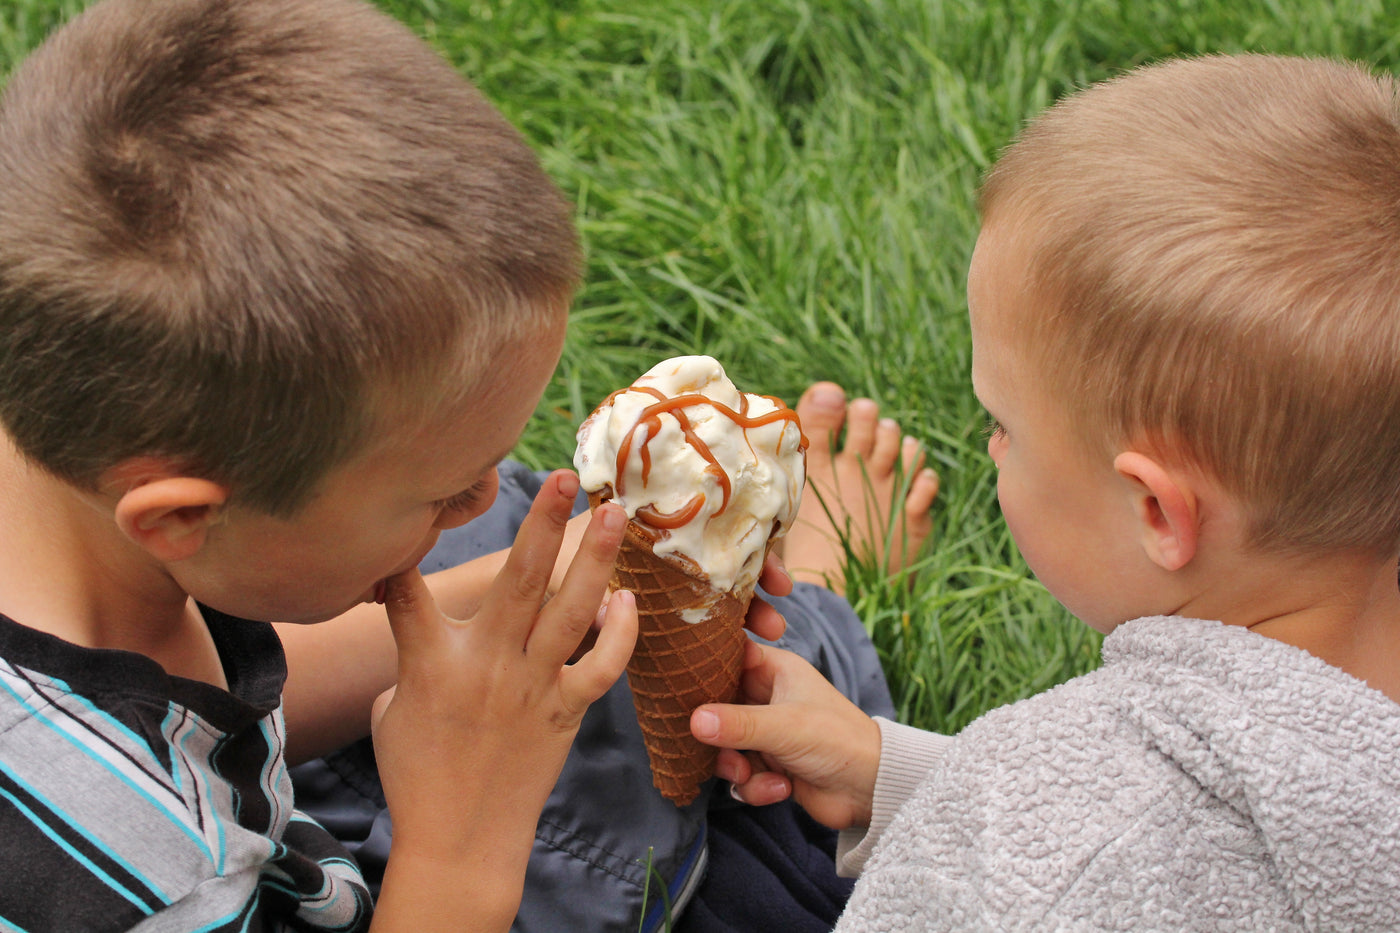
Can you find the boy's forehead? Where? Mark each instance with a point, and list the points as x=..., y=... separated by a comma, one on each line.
x=998, y=303
x=977, y=310
x=485, y=398
x=989, y=277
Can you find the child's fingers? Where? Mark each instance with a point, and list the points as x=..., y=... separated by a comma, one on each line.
x=733, y=766
x=765, y=621
x=759, y=673
x=520, y=588
x=774, y=577
x=566, y=620
x=596, y=671
x=728, y=725
x=762, y=789
x=764, y=724
x=413, y=617
x=573, y=539
x=751, y=779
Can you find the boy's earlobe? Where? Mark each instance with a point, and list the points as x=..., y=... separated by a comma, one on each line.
x=1167, y=510
x=170, y=516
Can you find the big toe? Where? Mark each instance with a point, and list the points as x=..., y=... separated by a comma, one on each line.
x=822, y=411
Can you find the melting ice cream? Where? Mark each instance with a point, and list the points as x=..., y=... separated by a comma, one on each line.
x=712, y=471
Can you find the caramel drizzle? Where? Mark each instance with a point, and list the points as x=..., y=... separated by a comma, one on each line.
x=651, y=417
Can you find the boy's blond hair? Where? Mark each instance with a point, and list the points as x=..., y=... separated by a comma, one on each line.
x=1216, y=250
x=247, y=234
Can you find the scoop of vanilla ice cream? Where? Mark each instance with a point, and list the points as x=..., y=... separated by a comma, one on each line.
x=667, y=464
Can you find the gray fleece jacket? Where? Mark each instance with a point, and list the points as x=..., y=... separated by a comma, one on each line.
x=1205, y=778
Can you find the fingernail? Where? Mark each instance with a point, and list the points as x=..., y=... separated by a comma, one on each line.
x=568, y=484
x=704, y=724
x=613, y=518
x=734, y=792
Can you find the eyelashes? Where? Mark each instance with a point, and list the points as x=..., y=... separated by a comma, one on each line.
x=993, y=430
x=464, y=499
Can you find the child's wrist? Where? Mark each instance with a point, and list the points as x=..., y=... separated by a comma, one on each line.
x=864, y=772
x=478, y=890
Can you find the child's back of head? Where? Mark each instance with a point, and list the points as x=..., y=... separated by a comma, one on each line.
x=241, y=234
x=1217, y=260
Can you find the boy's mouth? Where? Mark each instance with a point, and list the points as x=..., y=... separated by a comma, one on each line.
x=379, y=588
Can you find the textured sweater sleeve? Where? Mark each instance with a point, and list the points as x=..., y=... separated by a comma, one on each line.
x=906, y=756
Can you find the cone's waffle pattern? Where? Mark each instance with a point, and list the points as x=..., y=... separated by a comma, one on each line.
x=678, y=665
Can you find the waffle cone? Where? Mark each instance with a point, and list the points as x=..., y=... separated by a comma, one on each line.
x=678, y=665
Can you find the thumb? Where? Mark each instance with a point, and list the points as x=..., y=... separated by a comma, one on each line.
x=728, y=725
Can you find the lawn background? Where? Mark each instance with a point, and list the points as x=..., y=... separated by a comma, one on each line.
x=789, y=185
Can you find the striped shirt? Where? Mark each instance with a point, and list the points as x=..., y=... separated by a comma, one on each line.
x=133, y=800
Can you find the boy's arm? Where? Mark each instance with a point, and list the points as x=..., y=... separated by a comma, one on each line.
x=472, y=738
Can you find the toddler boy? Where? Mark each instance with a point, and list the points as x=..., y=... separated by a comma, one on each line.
x=1185, y=311
x=260, y=264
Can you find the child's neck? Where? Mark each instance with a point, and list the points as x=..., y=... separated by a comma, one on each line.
x=68, y=570
x=1345, y=611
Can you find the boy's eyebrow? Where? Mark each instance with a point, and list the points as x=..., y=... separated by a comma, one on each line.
x=495, y=463
x=972, y=383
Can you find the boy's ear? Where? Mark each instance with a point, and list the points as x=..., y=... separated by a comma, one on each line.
x=1167, y=509
x=170, y=515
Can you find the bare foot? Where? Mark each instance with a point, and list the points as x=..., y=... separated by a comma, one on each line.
x=849, y=503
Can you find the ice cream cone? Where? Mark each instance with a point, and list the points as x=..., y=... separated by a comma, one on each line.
x=678, y=665
x=709, y=476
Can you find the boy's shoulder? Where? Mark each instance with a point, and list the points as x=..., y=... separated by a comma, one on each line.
x=1201, y=767
x=125, y=792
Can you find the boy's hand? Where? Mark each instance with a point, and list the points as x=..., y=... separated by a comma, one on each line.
x=815, y=745
x=473, y=737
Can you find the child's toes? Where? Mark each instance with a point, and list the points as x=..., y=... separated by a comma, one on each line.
x=911, y=455
x=862, y=416
x=922, y=493
x=886, y=448
x=822, y=412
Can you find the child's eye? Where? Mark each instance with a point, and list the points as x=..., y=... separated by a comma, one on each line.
x=994, y=430
x=464, y=499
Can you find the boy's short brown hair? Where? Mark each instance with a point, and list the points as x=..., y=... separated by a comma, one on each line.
x=236, y=232
x=1217, y=253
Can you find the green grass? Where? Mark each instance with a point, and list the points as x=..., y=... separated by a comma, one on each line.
x=789, y=186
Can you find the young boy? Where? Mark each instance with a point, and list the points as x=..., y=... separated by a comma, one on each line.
x=1184, y=316
x=259, y=264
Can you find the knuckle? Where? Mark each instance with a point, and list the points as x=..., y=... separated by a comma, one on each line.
x=558, y=518
x=747, y=730
x=603, y=549
x=527, y=582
